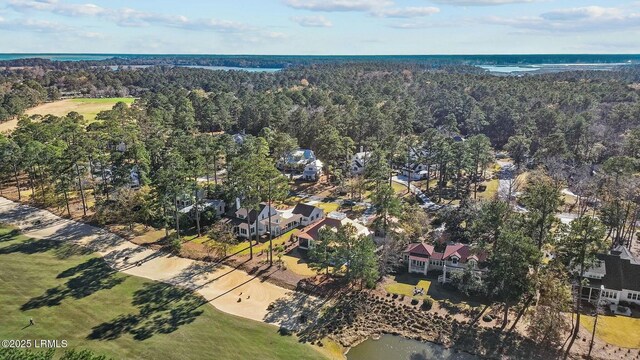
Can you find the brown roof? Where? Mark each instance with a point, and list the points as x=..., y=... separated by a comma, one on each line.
x=420, y=249
x=311, y=231
x=463, y=251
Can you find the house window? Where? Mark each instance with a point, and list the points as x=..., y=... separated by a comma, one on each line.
x=417, y=263
x=243, y=231
x=609, y=294
x=633, y=296
x=454, y=261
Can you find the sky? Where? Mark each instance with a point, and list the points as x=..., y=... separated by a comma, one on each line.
x=327, y=27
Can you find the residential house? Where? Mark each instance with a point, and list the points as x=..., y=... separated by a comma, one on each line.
x=243, y=219
x=186, y=202
x=239, y=137
x=310, y=234
x=359, y=162
x=421, y=258
x=296, y=160
x=217, y=205
x=312, y=171
x=414, y=167
x=614, y=279
x=308, y=213
x=281, y=220
x=416, y=171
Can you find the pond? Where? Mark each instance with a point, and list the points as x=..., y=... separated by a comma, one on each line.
x=390, y=347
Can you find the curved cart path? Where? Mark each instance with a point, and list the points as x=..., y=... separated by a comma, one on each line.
x=221, y=285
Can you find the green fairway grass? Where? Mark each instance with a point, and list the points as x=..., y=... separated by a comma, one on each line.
x=73, y=295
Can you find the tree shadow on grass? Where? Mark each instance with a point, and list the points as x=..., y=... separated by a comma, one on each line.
x=67, y=250
x=85, y=279
x=9, y=235
x=31, y=246
x=162, y=309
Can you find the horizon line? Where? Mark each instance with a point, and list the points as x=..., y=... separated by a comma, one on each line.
x=325, y=55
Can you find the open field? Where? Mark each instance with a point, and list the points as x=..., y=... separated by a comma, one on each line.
x=620, y=331
x=73, y=295
x=88, y=108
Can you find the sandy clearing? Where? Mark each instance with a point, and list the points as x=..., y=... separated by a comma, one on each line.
x=8, y=126
x=221, y=285
x=86, y=107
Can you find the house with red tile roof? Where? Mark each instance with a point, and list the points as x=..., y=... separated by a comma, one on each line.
x=310, y=234
x=421, y=258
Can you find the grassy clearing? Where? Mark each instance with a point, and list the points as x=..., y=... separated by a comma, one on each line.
x=243, y=247
x=298, y=265
x=327, y=207
x=620, y=331
x=491, y=191
x=88, y=108
x=398, y=188
x=75, y=296
x=400, y=287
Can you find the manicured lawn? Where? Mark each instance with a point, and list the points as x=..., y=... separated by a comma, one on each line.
x=403, y=285
x=327, y=207
x=398, y=188
x=243, y=247
x=75, y=296
x=490, y=192
x=298, y=265
x=620, y=331
x=88, y=108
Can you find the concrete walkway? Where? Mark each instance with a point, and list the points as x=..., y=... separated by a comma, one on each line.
x=221, y=285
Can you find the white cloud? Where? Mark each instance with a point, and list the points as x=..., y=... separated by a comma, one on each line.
x=379, y=8
x=408, y=12
x=482, y=2
x=338, y=5
x=312, y=21
x=32, y=25
x=589, y=18
x=127, y=17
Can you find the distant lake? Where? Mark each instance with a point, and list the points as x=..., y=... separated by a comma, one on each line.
x=225, y=68
x=508, y=69
x=391, y=347
x=249, y=69
x=544, y=68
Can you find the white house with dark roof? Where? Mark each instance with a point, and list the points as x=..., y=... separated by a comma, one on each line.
x=308, y=213
x=422, y=258
x=313, y=171
x=615, y=278
x=281, y=220
x=359, y=162
x=254, y=219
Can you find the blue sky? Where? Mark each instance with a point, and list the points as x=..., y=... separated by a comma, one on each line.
x=321, y=26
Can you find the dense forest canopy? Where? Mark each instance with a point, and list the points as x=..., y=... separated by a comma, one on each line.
x=363, y=100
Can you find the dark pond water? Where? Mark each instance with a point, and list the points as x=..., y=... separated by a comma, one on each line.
x=391, y=347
